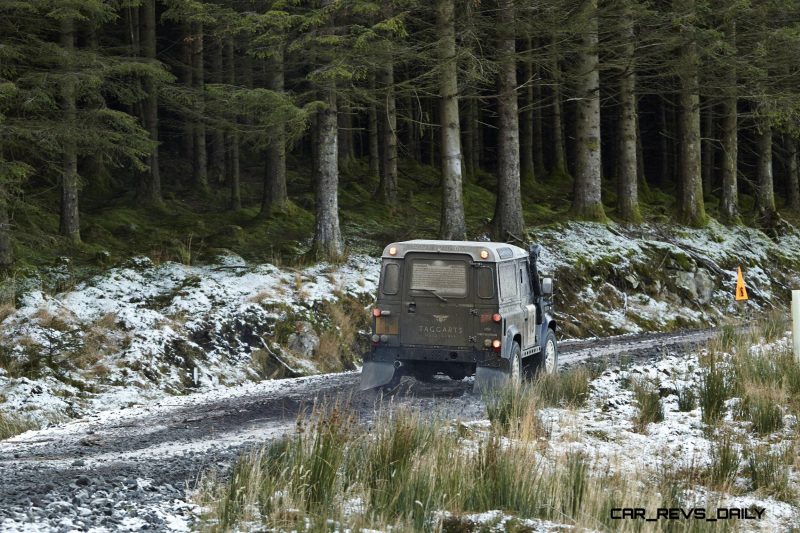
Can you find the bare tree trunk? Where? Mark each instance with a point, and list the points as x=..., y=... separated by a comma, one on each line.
x=233, y=136
x=453, y=224
x=559, y=154
x=538, y=129
x=70, y=226
x=187, y=71
x=730, y=149
x=587, y=202
x=150, y=184
x=467, y=138
x=217, y=164
x=372, y=133
x=6, y=250
x=691, y=208
x=627, y=181
x=476, y=142
x=765, y=196
x=508, y=222
x=794, y=174
x=665, y=175
x=707, y=149
x=275, y=195
x=200, y=157
x=527, y=170
x=328, y=243
x=344, y=119
x=388, y=184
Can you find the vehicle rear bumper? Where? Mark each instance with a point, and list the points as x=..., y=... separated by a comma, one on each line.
x=442, y=354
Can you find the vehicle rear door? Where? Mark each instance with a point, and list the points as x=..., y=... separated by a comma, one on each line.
x=437, y=307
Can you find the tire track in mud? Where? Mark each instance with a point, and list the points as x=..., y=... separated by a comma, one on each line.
x=125, y=467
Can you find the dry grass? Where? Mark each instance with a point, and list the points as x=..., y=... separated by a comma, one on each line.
x=14, y=425
x=407, y=468
x=6, y=310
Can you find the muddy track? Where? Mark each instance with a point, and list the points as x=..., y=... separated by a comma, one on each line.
x=132, y=467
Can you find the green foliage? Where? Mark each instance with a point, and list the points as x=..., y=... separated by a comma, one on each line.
x=714, y=390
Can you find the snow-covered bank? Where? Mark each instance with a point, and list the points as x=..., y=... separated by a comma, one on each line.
x=140, y=330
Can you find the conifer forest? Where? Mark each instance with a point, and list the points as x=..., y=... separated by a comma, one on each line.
x=291, y=127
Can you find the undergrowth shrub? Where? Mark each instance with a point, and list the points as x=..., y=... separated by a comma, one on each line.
x=649, y=402
x=714, y=390
x=767, y=472
x=725, y=463
x=687, y=400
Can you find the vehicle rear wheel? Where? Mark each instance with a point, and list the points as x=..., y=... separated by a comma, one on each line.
x=515, y=365
x=422, y=372
x=548, y=357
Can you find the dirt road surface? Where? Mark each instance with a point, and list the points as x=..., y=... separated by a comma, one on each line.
x=131, y=469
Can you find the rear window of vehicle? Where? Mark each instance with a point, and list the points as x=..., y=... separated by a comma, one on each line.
x=485, y=282
x=391, y=278
x=446, y=278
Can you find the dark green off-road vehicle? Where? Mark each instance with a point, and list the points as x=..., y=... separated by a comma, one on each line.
x=460, y=308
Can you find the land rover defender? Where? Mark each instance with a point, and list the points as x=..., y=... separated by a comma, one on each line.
x=460, y=308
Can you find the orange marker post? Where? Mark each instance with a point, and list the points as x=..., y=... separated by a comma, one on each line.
x=741, y=290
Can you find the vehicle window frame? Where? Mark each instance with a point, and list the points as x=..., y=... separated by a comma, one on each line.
x=511, y=267
x=399, y=283
x=479, y=285
x=420, y=292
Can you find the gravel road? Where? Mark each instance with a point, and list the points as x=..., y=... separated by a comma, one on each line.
x=131, y=469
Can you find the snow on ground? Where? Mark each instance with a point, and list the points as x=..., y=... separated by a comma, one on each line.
x=137, y=332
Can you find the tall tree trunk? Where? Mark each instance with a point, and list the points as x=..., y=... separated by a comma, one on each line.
x=559, y=155
x=467, y=138
x=372, y=133
x=389, y=136
x=275, y=195
x=628, y=178
x=150, y=184
x=665, y=174
x=794, y=174
x=730, y=149
x=587, y=201
x=707, y=149
x=70, y=226
x=476, y=142
x=345, y=124
x=526, y=166
x=233, y=136
x=453, y=223
x=6, y=250
x=691, y=208
x=508, y=220
x=328, y=243
x=187, y=72
x=217, y=163
x=200, y=166
x=765, y=195
x=538, y=129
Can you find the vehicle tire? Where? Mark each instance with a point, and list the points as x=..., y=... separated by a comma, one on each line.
x=515, y=365
x=422, y=372
x=548, y=357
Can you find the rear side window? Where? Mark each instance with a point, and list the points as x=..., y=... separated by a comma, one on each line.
x=508, y=281
x=485, y=282
x=391, y=278
x=442, y=277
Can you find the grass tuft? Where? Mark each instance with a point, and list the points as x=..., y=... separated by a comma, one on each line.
x=650, y=408
x=11, y=425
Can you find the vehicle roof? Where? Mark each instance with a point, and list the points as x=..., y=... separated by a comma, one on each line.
x=498, y=251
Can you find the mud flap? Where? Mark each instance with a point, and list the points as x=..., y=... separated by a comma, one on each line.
x=488, y=379
x=376, y=374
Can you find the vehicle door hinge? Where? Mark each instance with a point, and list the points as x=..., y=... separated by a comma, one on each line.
x=473, y=339
x=473, y=312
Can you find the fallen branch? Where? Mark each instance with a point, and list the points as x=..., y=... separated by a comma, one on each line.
x=295, y=373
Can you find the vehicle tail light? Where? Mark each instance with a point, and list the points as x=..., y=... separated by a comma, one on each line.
x=376, y=312
x=496, y=345
x=496, y=317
